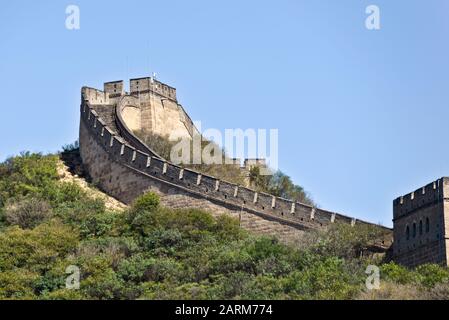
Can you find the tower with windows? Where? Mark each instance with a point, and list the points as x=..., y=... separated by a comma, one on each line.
x=421, y=226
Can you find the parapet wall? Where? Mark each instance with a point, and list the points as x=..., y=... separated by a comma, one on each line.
x=146, y=85
x=420, y=226
x=123, y=169
x=430, y=194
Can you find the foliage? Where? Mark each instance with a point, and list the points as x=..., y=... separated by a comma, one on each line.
x=27, y=213
x=278, y=184
x=151, y=252
x=71, y=147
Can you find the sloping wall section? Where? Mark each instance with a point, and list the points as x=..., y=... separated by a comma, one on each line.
x=125, y=169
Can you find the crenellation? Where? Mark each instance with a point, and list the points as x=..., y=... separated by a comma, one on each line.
x=128, y=153
x=322, y=216
x=94, y=96
x=420, y=225
x=303, y=212
x=265, y=201
x=283, y=207
x=247, y=196
x=114, y=89
x=174, y=173
x=190, y=178
x=123, y=169
x=226, y=189
x=425, y=196
x=146, y=85
x=209, y=183
x=141, y=160
x=156, y=167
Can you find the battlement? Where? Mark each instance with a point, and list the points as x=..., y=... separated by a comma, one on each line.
x=138, y=86
x=114, y=89
x=421, y=224
x=146, y=85
x=236, y=196
x=124, y=167
x=428, y=195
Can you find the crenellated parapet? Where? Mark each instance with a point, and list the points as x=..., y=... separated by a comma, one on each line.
x=428, y=195
x=421, y=225
x=146, y=85
x=125, y=167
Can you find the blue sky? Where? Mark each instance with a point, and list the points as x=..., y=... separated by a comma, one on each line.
x=362, y=115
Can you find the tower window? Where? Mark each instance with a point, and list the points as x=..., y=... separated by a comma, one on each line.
x=414, y=230
x=427, y=225
x=407, y=233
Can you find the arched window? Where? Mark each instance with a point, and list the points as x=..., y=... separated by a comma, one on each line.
x=407, y=233
x=427, y=225
x=414, y=229
x=420, y=227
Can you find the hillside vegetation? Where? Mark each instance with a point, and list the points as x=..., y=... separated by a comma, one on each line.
x=146, y=251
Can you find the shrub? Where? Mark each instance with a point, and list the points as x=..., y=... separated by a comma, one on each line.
x=394, y=272
x=147, y=202
x=71, y=147
x=164, y=242
x=27, y=174
x=344, y=241
x=36, y=249
x=232, y=258
x=431, y=274
x=134, y=268
x=27, y=213
x=228, y=229
x=103, y=285
x=17, y=284
x=324, y=279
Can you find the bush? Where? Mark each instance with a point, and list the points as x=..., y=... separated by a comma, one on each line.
x=431, y=274
x=27, y=213
x=27, y=174
x=158, y=253
x=344, y=241
x=324, y=279
x=147, y=202
x=37, y=249
x=17, y=284
x=399, y=274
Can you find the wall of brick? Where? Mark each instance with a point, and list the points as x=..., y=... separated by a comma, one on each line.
x=420, y=228
x=125, y=172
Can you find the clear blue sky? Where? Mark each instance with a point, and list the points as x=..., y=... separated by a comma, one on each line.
x=362, y=115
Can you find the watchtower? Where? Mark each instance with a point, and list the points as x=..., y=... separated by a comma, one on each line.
x=421, y=225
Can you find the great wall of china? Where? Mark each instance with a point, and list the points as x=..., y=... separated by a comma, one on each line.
x=124, y=167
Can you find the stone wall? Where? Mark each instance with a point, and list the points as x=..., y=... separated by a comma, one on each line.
x=124, y=171
x=420, y=228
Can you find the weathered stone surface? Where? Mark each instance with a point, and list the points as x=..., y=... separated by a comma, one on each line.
x=421, y=225
x=124, y=168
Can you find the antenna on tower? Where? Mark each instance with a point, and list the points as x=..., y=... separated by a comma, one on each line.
x=153, y=77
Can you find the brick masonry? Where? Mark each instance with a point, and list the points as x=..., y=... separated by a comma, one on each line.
x=421, y=225
x=124, y=168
